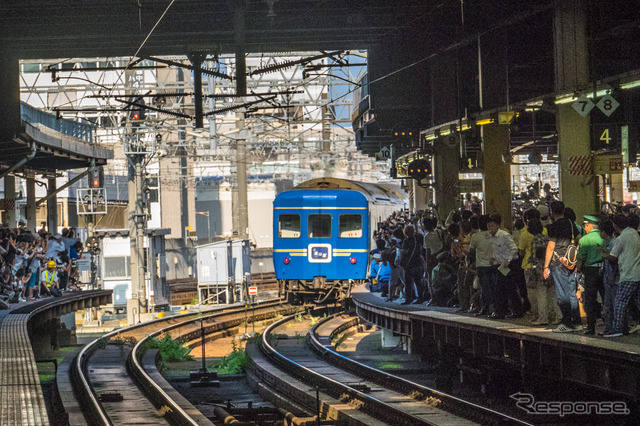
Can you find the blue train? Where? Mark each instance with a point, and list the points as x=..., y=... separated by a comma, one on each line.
x=322, y=235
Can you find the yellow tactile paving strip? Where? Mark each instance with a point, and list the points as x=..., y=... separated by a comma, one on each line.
x=21, y=398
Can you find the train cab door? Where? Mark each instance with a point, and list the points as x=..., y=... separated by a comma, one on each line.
x=320, y=234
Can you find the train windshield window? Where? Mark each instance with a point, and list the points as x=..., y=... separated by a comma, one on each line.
x=319, y=225
x=350, y=226
x=289, y=226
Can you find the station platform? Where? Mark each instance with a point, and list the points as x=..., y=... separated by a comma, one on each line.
x=21, y=398
x=612, y=365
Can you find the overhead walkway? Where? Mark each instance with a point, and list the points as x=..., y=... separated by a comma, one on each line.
x=46, y=143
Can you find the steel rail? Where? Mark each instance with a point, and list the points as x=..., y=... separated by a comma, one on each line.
x=449, y=403
x=83, y=390
x=370, y=405
x=176, y=414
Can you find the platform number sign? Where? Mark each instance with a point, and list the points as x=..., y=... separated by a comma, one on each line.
x=607, y=104
x=468, y=164
x=606, y=137
x=384, y=153
x=583, y=105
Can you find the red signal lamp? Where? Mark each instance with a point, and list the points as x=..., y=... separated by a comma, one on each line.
x=353, y=260
x=287, y=260
x=136, y=116
x=96, y=182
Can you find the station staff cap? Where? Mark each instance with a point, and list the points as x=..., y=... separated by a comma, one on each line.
x=590, y=219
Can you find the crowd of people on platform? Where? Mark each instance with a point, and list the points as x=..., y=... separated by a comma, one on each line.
x=541, y=269
x=36, y=265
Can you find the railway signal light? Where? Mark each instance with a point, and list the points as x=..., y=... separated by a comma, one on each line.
x=96, y=178
x=419, y=169
x=137, y=112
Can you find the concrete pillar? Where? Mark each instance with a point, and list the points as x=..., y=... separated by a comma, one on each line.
x=419, y=197
x=497, y=174
x=10, y=200
x=572, y=74
x=574, y=139
x=617, y=188
x=31, y=204
x=52, y=206
x=389, y=340
x=446, y=176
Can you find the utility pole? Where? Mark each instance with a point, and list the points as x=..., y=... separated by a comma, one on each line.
x=242, y=209
x=135, y=151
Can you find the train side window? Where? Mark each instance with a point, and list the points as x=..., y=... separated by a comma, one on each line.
x=289, y=226
x=350, y=226
x=319, y=225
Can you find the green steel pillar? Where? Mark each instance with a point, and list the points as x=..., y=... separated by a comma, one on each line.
x=446, y=175
x=52, y=206
x=31, y=204
x=10, y=200
x=497, y=173
x=572, y=75
x=9, y=96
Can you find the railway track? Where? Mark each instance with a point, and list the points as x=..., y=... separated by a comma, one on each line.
x=111, y=384
x=353, y=392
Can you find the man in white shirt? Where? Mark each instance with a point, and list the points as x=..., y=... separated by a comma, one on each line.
x=483, y=246
x=55, y=245
x=504, y=251
x=626, y=252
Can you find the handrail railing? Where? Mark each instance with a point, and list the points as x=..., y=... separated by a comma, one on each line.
x=83, y=131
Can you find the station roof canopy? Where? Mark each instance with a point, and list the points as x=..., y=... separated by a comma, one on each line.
x=37, y=29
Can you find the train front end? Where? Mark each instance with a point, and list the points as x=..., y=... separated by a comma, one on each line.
x=320, y=243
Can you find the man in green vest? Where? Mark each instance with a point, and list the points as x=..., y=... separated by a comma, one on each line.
x=590, y=258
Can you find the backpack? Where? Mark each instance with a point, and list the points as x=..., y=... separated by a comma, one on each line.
x=570, y=258
x=538, y=249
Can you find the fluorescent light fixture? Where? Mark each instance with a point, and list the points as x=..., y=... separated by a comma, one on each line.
x=569, y=98
x=565, y=99
x=431, y=137
x=445, y=132
x=484, y=121
x=531, y=109
x=535, y=103
x=599, y=93
x=630, y=84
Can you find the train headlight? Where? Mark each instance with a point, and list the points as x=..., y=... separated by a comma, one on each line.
x=353, y=260
x=286, y=260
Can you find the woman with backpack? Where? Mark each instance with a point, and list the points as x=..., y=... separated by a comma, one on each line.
x=542, y=288
x=560, y=262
